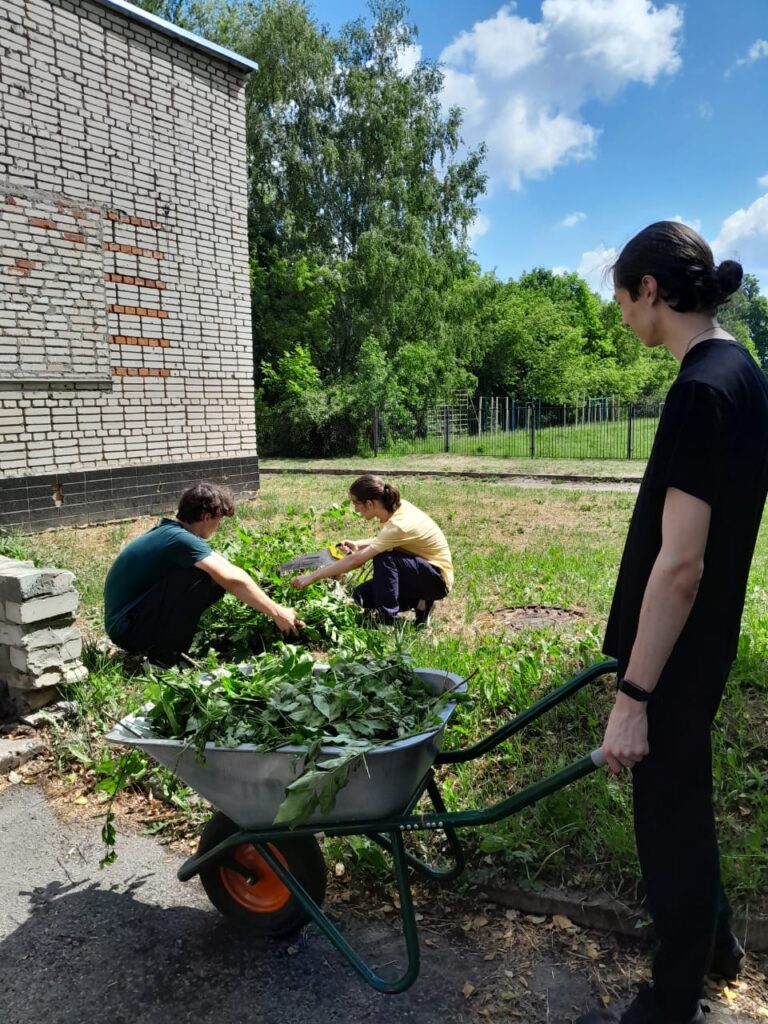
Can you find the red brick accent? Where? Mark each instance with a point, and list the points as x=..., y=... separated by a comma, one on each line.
x=22, y=267
x=124, y=339
x=161, y=314
x=138, y=371
x=133, y=250
x=139, y=282
x=10, y=200
x=42, y=222
x=138, y=222
x=73, y=236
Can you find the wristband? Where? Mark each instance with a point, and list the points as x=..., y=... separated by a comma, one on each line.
x=633, y=690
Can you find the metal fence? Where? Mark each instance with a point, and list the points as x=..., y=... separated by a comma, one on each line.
x=598, y=428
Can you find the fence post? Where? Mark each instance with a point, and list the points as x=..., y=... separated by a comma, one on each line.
x=631, y=430
x=447, y=428
x=375, y=431
x=532, y=423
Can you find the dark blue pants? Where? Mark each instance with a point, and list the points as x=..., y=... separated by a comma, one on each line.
x=163, y=623
x=399, y=582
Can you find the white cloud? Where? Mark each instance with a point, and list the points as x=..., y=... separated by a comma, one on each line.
x=705, y=111
x=757, y=51
x=561, y=271
x=572, y=219
x=523, y=83
x=480, y=226
x=499, y=47
x=524, y=139
x=692, y=222
x=593, y=267
x=408, y=57
x=744, y=236
x=763, y=182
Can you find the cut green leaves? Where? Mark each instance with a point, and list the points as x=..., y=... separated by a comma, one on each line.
x=284, y=698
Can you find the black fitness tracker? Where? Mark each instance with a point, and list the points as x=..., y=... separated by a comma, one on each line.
x=633, y=690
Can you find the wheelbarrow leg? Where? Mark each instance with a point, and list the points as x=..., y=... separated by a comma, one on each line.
x=329, y=929
x=442, y=875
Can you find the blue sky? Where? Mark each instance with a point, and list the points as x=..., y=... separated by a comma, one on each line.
x=602, y=116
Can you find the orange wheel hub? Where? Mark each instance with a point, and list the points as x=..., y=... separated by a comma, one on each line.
x=263, y=893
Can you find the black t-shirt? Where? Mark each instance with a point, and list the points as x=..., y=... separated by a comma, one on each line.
x=712, y=442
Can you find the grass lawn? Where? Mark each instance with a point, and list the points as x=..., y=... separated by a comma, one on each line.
x=607, y=440
x=515, y=547
x=444, y=462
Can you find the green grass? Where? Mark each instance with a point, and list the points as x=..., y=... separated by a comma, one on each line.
x=442, y=462
x=608, y=440
x=516, y=547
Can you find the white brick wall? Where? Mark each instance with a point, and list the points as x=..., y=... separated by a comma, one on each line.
x=146, y=304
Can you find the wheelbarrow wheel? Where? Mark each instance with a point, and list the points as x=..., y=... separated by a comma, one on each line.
x=245, y=889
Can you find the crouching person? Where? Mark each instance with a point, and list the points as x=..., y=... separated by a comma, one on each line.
x=161, y=583
x=412, y=566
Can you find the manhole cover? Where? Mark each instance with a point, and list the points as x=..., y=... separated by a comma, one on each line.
x=532, y=616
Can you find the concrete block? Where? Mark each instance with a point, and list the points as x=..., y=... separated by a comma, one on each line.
x=11, y=563
x=43, y=659
x=10, y=633
x=16, y=752
x=23, y=701
x=76, y=674
x=62, y=633
x=24, y=583
x=40, y=608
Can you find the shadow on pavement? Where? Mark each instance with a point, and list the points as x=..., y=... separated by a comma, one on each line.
x=90, y=952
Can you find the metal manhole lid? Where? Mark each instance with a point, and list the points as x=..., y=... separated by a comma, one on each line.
x=532, y=616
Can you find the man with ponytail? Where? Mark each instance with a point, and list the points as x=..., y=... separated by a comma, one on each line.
x=412, y=566
x=676, y=613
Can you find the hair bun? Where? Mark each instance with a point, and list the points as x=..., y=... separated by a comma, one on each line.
x=386, y=488
x=729, y=276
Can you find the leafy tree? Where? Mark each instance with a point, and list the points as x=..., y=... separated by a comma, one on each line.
x=746, y=317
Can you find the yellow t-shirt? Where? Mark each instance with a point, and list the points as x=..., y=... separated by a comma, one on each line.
x=413, y=531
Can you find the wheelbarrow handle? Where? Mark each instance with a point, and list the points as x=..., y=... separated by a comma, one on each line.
x=531, y=714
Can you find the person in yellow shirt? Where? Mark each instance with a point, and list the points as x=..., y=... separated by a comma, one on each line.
x=412, y=566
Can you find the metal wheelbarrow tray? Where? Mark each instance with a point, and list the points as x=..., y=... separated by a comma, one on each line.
x=271, y=879
x=248, y=784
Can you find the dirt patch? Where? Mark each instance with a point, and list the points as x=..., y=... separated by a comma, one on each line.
x=99, y=542
x=530, y=616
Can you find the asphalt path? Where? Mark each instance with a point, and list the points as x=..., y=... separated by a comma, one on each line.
x=130, y=943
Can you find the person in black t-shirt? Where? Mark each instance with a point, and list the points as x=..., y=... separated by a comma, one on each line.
x=674, y=623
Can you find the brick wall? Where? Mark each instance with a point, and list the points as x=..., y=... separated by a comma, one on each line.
x=125, y=339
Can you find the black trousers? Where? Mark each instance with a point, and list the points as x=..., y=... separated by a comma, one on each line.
x=162, y=625
x=400, y=581
x=676, y=836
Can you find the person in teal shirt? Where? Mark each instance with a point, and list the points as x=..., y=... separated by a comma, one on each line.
x=161, y=583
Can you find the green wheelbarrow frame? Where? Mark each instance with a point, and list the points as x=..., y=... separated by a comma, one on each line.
x=389, y=832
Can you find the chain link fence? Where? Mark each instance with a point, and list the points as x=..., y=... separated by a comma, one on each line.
x=598, y=428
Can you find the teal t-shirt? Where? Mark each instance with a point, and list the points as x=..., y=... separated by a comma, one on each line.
x=143, y=563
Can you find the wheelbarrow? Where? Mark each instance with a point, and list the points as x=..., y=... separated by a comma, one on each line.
x=272, y=879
